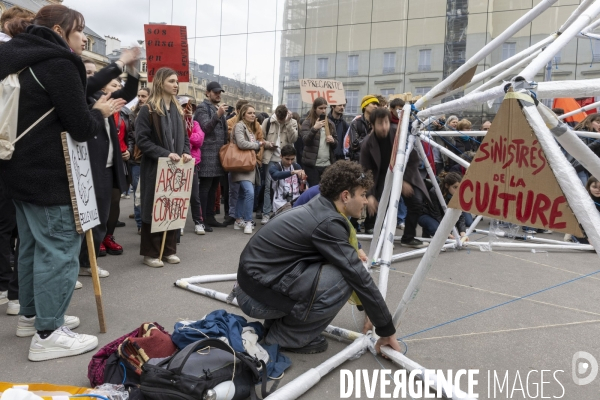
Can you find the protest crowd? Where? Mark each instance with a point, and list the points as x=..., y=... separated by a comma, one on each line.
x=311, y=184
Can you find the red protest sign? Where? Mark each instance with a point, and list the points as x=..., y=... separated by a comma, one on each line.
x=510, y=179
x=166, y=46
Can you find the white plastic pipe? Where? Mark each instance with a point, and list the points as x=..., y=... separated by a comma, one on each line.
x=581, y=21
x=445, y=151
x=528, y=238
x=433, y=251
x=310, y=378
x=569, y=141
x=582, y=109
x=591, y=27
x=527, y=246
x=213, y=294
x=450, y=244
x=210, y=278
x=575, y=89
x=586, y=134
x=464, y=102
x=341, y=333
x=485, y=51
x=508, y=72
x=576, y=195
x=454, y=133
x=474, y=224
x=573, y=17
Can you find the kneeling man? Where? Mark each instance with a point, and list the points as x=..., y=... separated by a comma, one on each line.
x=299, y=270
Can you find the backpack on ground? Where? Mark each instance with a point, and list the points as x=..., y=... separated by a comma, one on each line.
x=199, y=368
x=10, y=89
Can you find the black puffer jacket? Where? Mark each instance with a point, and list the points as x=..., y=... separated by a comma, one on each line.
x=281, y=262
x=434, y=209
x=312, y=140
x=37, y=172
x=359, y=130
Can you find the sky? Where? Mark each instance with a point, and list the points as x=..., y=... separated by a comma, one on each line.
x=254, y=55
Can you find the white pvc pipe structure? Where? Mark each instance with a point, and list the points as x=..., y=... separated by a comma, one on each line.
x=586, y=134
x=575, y=24
x=528, y=238
x=591, y=27
x=528, y=246
x=444, y=150
x=484, y=52
x=580, y=110
x=578, y=11
x=416, y=252
x=575, y=89
x=474, y=224
x=468, y=100
x=454, y=133
x=506, y=73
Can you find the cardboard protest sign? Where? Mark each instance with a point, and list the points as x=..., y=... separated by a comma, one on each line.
x=510, y=179
x=330, y=90
x=171, y=194
x=167, y=46
x=81, y=183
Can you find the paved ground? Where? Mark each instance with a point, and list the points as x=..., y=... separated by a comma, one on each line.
x=539, y=333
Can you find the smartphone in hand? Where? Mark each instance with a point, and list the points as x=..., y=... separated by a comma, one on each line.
x=322, y=117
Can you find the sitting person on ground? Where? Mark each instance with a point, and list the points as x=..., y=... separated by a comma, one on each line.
x=287, y=177
x=300, y=269
x=593, y=189
x=433, y=210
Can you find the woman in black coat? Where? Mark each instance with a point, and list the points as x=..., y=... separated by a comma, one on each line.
x=53, y=79
x=164, y=136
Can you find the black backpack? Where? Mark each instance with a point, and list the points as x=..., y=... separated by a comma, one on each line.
x=200, y=366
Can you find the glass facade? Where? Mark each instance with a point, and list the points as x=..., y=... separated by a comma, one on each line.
x=372, y=46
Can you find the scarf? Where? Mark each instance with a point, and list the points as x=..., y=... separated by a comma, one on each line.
x=394, y=118
x=353, y=240
x=172, y=129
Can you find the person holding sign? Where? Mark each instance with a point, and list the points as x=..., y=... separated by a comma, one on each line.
x=53, y=78
x=318, y=134
x=160, y=132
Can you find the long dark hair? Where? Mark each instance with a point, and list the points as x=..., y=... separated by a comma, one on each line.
x=312, y=115
x=586, y=124
x=448, y=180
x=49, y=16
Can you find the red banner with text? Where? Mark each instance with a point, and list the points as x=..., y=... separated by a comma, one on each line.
x=167, y=46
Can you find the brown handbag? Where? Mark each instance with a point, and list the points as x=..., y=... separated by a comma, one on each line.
x=235, y=160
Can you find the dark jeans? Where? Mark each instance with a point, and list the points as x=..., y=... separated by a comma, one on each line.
x=195, y=199
x=207, y=190
x=104, y=193
x=115, y=211
x=224, y=193
x=8, y=226
x=414, y=207
x=468, y=218
x=313, y=175
x=151, y=242
x=135, y=178
x=429, y=225
x=331, y=295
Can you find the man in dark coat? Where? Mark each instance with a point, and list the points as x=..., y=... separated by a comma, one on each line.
x=375, y=156
x=341, y=127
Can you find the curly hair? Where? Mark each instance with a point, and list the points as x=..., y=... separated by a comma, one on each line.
x=344, y=175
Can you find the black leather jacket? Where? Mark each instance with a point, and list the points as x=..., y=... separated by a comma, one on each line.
x=281, y=263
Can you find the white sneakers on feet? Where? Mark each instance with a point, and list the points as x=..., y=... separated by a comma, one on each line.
x=13, y=307
x=265, y=219
x=239, y=225
x=248, y=228
x=61, y=343
x=153, y=262
x=26, y=326
x=78, y=285
x=102, y=273
x=4, y=297
x=172, y=259
x=199, y=229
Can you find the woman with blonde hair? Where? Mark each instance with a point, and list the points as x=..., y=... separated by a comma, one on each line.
x=245, y=133
x=160, y=132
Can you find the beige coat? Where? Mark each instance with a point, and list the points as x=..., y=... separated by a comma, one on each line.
x=288, y=134
x=245, y=140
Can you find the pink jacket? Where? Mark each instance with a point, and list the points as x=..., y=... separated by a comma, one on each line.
x=196, y=140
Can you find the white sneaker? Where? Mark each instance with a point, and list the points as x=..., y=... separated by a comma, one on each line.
x=199, y=229
x=61, y=343
x=248, y=228
x=78, y=285
x=4, y=297
x=13, y=307
x=26, y=326
x=153, y=262
x=127, y=196
x=102, y=273
x=265, y=219
x=172, y=259
x=239, y=225
x=182, y=232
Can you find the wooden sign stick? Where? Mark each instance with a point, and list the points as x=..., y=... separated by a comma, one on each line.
x=162, y=246
x=96, y=279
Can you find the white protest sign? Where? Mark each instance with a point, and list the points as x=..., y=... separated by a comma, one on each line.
x=330, y=90
x=81, y=183
x=171, y=194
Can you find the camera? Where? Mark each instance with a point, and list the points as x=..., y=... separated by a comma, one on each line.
x=288, y=196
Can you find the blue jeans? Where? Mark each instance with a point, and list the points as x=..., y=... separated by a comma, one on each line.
x=266, y=181
x=402, y=211
x=287, y=331
x=245, y=201
x=135, y=178
x=48, y=266
x=468, y=219
x=234, y=192
x=429, y=225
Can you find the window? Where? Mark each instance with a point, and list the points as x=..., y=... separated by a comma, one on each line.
x=425, y=60
x=322, y=67
x=143, y=84
x=352, y=102
x=294, y=67
x=596, y=51
x=389, y=62
x=88, y=44
x=508, y=50
x=352, y=65
x=421, y=91
x=387, y=92
x=144, y=66
x=293, y=103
